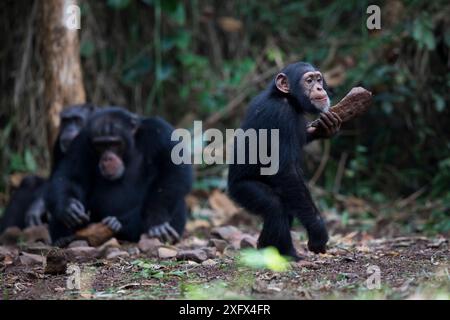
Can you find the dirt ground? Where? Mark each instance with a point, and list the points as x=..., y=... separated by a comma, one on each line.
x=408, y=267
x=217, y=259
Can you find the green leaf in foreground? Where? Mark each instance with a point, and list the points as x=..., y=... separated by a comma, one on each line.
x=268, y=258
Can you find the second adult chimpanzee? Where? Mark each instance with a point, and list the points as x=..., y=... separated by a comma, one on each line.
x=73, y=120
x=27, y=206
x=296, y=90
x=119, y=171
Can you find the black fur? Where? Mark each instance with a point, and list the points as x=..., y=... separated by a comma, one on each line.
x=28, y=199
x=281, y=197
x=151, y=191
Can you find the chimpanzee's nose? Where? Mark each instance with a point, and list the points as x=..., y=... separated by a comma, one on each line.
x=107, y=157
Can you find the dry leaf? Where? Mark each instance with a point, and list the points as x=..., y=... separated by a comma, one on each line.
x=229, y=24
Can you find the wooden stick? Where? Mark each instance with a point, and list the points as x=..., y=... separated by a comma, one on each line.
x=355, y=103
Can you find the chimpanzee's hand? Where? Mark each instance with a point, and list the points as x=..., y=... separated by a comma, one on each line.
x=75, y=214
x=35, y=213
x=164, y=232
x=329, y=124
x=113, y=223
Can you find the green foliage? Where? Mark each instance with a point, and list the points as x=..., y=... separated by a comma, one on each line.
x=87, y=49
x=215, y=290
x=440, y=182
x=423, y=32
x=135, y=71
x=153, y=270
x=267, y=258
x=23, y=163
x=118, y=4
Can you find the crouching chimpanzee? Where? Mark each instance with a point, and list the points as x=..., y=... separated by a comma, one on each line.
x=298, y=89
x=119, y=171
x=27, y=206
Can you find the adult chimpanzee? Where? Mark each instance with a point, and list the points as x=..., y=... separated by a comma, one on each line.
x=296, y=90
x=27, y=206
x=73, y=120
x=119, y=171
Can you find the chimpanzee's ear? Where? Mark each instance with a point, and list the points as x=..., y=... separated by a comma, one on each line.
x=282, y=82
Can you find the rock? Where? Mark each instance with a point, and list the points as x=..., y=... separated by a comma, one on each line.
x=96, y=234
x=193, y=242
x=37, y=248
x=29, y=259
x=210, y=252
x=197, y=225
x=82, y=254
x=8, y=254
x=226, y=232
x=149, y=245
x=230, y=251
x=37, y=233
x=117, y=254
x=133, y=251
x=78, y=244
x=219, y=244
x=167, y=253
x=111, y=243
x=197, y=255
x=209, y=263
x=111, y=250
x=248, y=241
x=11, y=236
x=56, y=262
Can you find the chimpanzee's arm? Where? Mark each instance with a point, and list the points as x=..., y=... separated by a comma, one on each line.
x=169, y=187
x=69, y=184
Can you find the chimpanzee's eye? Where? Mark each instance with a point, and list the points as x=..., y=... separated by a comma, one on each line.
x=309, y=80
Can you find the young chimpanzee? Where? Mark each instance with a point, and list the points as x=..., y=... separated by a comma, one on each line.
x=27, y=206
x=296, y=90
x=119, y=171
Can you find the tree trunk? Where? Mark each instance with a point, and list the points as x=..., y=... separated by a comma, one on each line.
x=61, y=61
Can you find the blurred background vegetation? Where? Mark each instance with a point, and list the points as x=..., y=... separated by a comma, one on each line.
x=204, y=60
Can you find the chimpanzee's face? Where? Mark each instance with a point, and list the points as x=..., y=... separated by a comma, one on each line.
x=313, y=87
x=72, y=122
x=112, y=136
x=304, y=86
x=110, y=151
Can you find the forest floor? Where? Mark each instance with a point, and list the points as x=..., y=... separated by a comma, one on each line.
x=216, y=260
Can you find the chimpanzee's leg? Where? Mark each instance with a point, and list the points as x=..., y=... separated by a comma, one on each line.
x=259, y=198
x=299, y=201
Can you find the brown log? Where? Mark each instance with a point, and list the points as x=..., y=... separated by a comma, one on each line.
x=355, y=103
x=95, y=234
x=61, y=63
